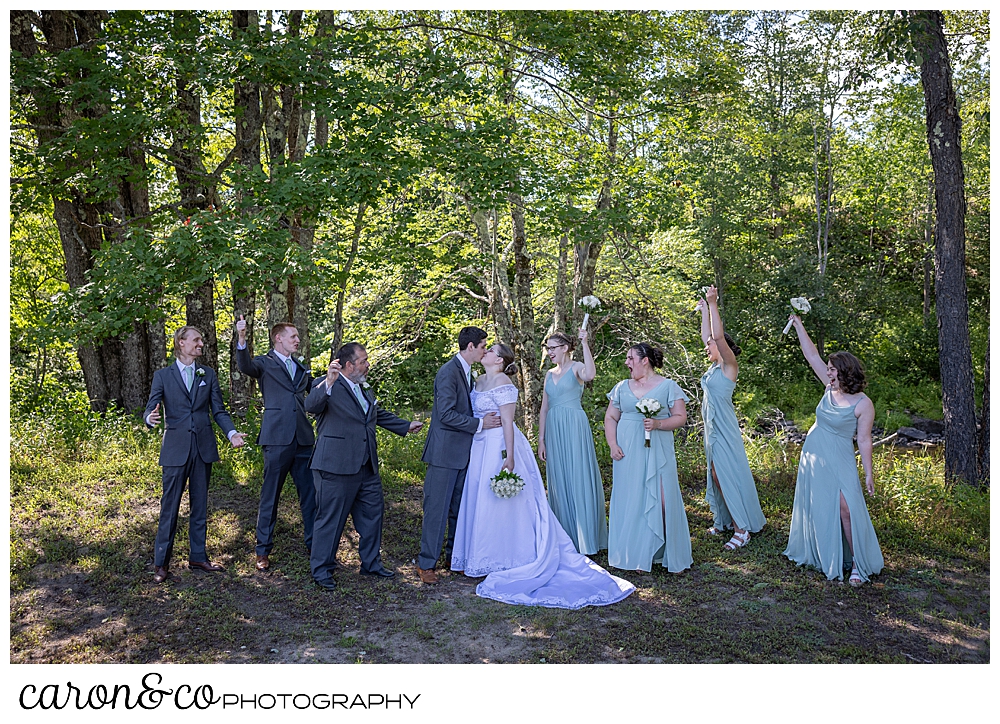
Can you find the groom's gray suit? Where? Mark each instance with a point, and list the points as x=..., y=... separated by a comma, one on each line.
x=345, y=473
x=446, y=452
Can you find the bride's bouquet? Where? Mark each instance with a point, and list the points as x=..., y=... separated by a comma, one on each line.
x=506, y=484
x=800, y=305
x=648, y=407
x=591, y=303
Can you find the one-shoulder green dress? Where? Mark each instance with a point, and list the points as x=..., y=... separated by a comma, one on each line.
x=724, y=449
x=576, y=493
x=827, y=469
x=647, y=521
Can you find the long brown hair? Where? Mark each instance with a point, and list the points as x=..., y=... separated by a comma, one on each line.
x=507, y=355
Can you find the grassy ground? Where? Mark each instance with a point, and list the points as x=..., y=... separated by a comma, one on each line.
x=83, y=518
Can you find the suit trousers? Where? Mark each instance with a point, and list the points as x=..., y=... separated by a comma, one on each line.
x=197, y=473
x=360, y=495
x=442, y=498
x=279, y=460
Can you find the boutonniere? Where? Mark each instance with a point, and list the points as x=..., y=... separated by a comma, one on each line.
x=475, y=375
x=200, y=371
x=365, y=385
x=301, y=360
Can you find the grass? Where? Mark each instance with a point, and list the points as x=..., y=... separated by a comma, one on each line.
x=83, y=518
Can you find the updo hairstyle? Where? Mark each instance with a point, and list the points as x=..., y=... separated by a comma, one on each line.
x=646, y=350
x=732, y=344
x=565, y=339
x=850, y=372
x=507, y=355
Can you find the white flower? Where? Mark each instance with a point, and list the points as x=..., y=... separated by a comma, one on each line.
x=200, y=372
x=365, y=385
x=506, y=484
x=801, y=304
x=648, y=406
x=590, y=302
x=301, y=360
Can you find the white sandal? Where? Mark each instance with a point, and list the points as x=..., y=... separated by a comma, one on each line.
x=738, y=541
x=715, y=531
x=855, y=579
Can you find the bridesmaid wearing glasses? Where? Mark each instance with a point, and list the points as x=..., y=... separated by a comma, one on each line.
x=566, y=446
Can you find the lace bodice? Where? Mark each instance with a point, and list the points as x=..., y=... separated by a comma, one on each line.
x=490, y=400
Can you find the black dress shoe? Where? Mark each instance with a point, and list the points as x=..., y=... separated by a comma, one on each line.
x=381, y=572
x=328, y=583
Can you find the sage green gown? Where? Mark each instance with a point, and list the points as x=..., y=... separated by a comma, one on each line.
x=827, y=469
x=576, y=493
x=647, y=522
x=724, y=449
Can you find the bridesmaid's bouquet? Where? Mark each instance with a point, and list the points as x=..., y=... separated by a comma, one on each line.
x=506, y=484
x=800, y=305
x=591, y=303
x=648, y=407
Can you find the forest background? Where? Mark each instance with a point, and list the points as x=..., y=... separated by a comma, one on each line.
x=389, y=177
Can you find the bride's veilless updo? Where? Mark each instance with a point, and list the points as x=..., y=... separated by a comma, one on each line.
x=648, y=351
x=507, y=355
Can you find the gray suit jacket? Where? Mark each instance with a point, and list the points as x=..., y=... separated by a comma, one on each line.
x=345, y=433
x=184, y=413
x=285, y=418
x=449, y=437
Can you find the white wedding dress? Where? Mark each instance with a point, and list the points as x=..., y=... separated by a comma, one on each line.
x=518, y=543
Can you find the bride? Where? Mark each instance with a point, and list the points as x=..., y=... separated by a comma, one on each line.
x=518, y=543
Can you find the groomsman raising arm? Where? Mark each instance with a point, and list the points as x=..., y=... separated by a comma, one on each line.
x=286, y=434
x=191, y=397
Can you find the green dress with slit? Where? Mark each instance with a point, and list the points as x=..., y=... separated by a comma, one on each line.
x=724, y=449
x=827, y=470
x=647, y=521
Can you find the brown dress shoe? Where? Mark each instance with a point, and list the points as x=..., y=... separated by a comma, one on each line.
x=160, y=575
x=428, y=575
x=263, y=563
x=207, y=566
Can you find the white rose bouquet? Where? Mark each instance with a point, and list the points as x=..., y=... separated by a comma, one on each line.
x=648, y=407
x=591, y=303
x=506, y=484
x=800, y=305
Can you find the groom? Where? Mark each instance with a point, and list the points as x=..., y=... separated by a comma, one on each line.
x=446, y=451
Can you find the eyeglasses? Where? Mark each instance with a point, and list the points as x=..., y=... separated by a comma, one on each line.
x=552, y=347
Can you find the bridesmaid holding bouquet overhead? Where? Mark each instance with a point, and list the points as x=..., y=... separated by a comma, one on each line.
x=830, y=527
x=730, y=489
x=566, y=446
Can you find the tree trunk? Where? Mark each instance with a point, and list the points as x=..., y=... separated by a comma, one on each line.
x=984, y=424
x=201, y=314
x=338, y=320
x=247, y=103
x=944, y=132
x=109, y=379
x=526, y=338
x=560, y=307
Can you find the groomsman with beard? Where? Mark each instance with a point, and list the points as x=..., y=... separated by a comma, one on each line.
x=446, y=451
x=286, y=434
x=191, y=397
x=345, y=464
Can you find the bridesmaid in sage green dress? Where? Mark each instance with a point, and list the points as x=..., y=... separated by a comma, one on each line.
x=830, y=523
x=730, y=489
x=647, y=523
x=566, y=446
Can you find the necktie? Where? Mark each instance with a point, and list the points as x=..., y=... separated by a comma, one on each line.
x=188, y=377
x=290, y=366
x=361, y=397
x=468, y=379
